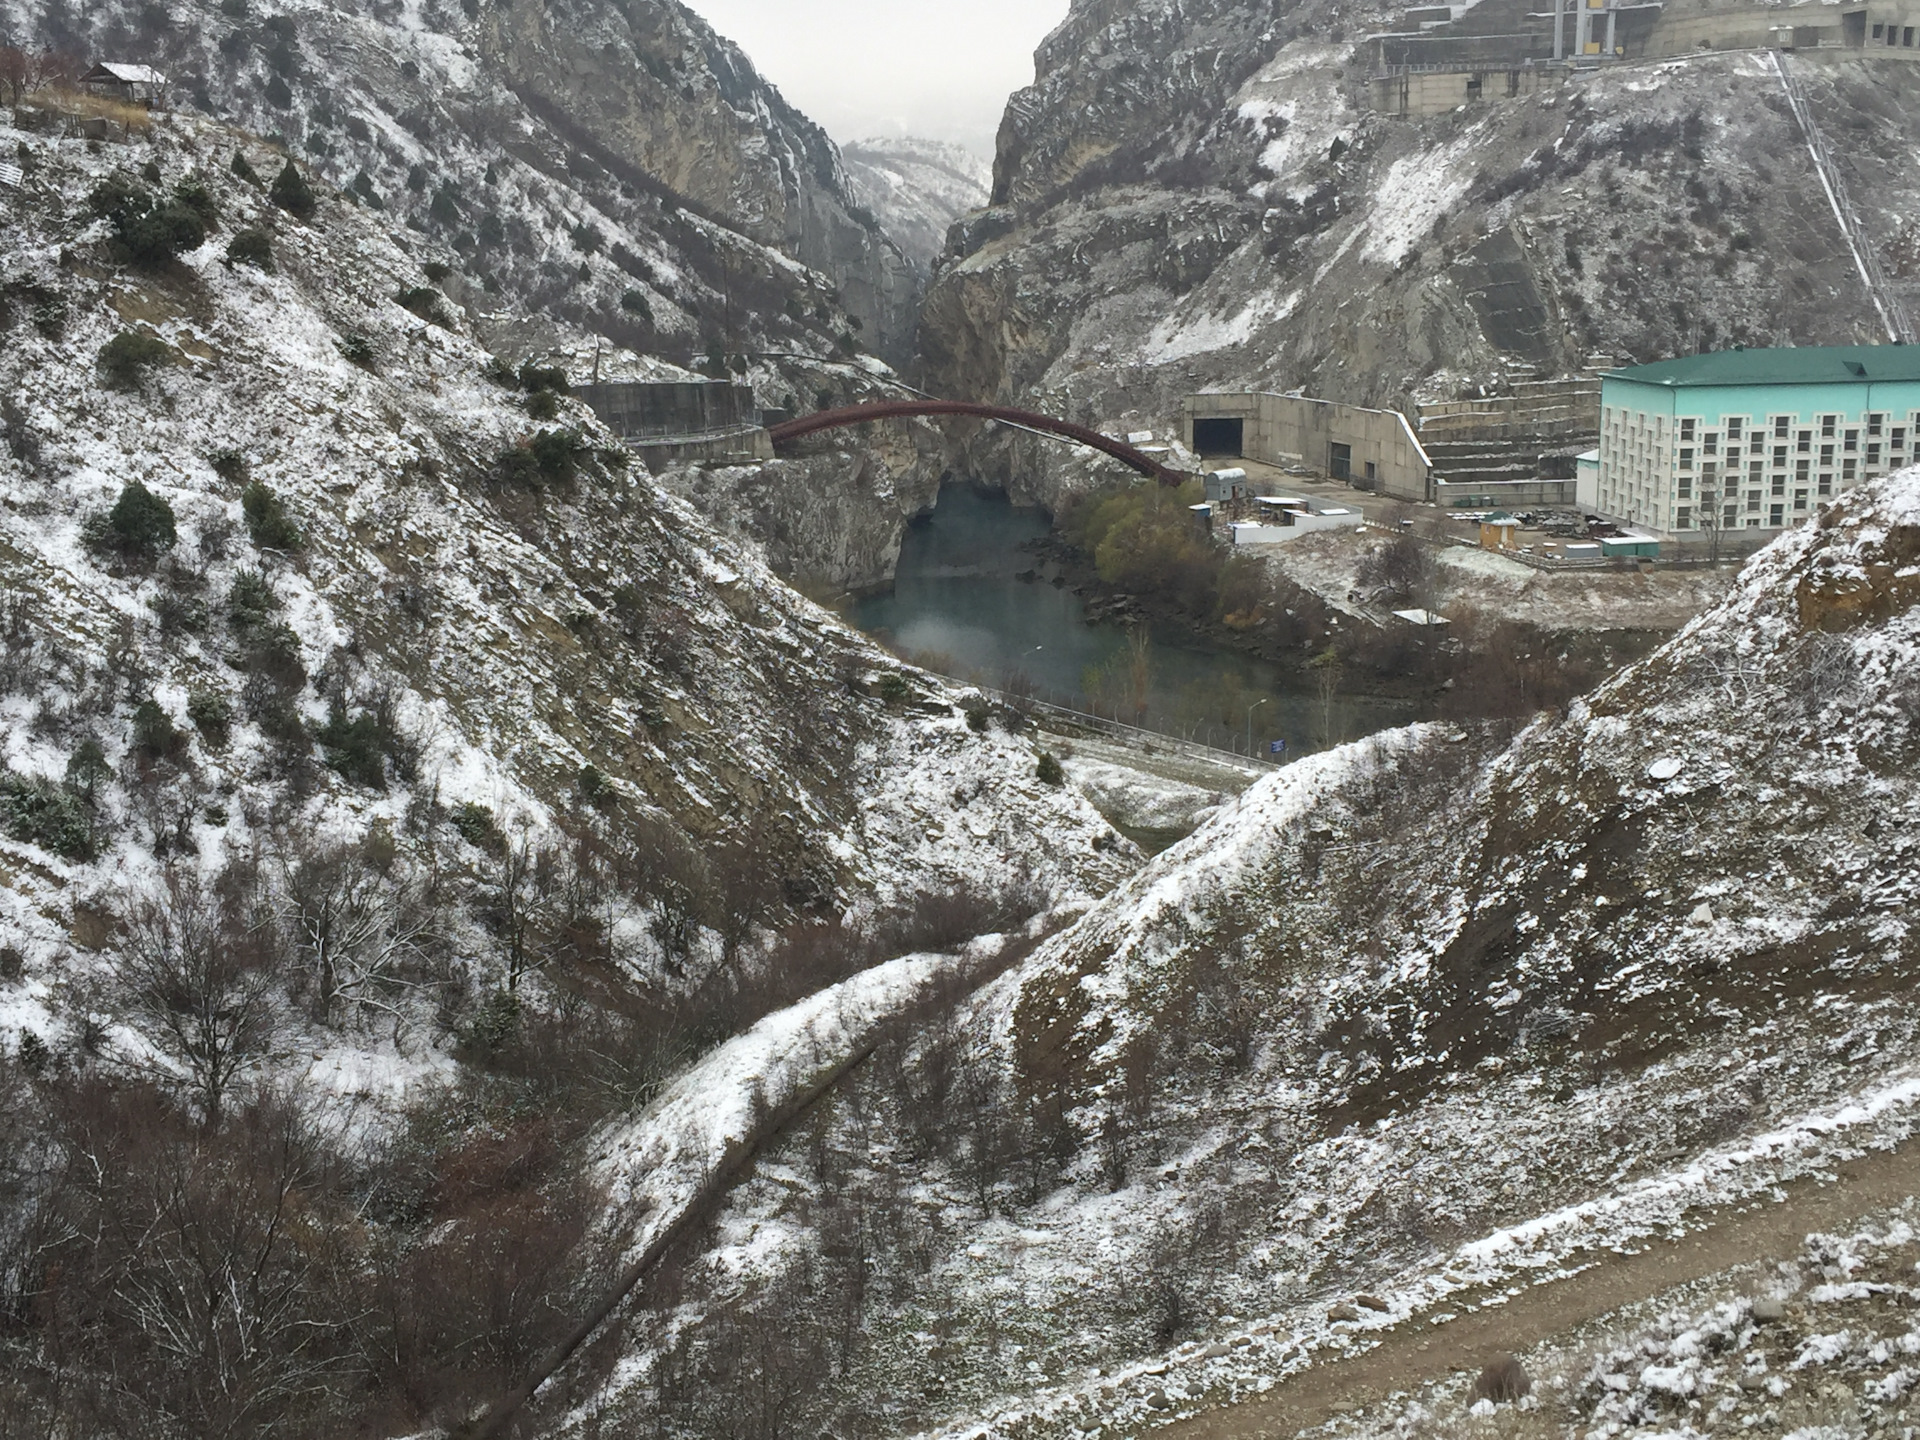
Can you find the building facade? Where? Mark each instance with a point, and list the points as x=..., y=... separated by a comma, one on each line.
x=1752, y=439
x=1374, y=449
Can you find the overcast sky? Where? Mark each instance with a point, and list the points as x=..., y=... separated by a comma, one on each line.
x=893, y=67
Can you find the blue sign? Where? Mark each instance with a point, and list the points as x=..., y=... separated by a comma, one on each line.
x=1277, y=747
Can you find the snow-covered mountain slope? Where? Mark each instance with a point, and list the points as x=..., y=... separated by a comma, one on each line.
x=484, y=616
x=621, y=167
x=1196, y=194
x=917, y=188
x=1420, y=1017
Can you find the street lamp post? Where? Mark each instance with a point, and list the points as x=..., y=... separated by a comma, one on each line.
x=1250, y=709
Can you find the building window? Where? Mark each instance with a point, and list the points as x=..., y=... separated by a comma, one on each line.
x=1730, y=516
x=1800, y=468
x=1826, y=482
x=1779, y=485
x=1898, y=439
x=1852, y=440
x=1827, y=422
x=1753, y=499
x=1733, y=428
x=1755, y=472
x=1686, y=429
x=1710, y=442
x=1873, y=454
x=1684, y=488
x=1805, y=443
x=1686, y=457
x=1906, y=36
x=1880, y=30
x=1777, y=515
x=1847, y=468
x=1826, y=454
x=1799, y=499
x=1780, y=456
x=1683, y=517
x=1874, y=422
x=1781, y=424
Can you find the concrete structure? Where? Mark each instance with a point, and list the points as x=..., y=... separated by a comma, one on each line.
x=1503, y=48
x=675, y=422
x=1283, y=517
x=1411, y=94
x=129, y=84
x=1752, y=439
x=1224, y=486
x=1529, y=494
x=1586, y=480
x=1373, y=449
x=672, y=409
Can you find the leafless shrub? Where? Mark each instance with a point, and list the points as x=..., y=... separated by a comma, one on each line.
x=359, y=935
x=1401, y=567
x=196, y=984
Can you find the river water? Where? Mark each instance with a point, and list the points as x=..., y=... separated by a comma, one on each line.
x=958, y=606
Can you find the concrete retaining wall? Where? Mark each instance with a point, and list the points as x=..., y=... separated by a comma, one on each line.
x=1299, y=430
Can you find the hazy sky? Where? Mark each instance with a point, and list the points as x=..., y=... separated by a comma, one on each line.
x=893, y=67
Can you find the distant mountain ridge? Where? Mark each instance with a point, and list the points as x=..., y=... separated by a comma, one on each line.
x=917, y=189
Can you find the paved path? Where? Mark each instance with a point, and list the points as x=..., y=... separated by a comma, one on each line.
x=1415, y=1353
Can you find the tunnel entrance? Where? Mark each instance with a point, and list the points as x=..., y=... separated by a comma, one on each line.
x=1219, y=436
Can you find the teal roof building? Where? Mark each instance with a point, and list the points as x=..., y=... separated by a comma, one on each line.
x=1751, y=439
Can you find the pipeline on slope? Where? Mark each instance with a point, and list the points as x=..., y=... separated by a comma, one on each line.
x=1127, y=455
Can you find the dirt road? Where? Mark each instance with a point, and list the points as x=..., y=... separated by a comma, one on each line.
x=1417, y=1352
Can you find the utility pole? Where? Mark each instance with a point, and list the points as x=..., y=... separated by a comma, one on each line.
x=1250, y=709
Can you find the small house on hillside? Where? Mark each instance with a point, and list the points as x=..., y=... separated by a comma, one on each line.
x=129, y=84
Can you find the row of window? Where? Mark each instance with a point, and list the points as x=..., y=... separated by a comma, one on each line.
x=1894, y=35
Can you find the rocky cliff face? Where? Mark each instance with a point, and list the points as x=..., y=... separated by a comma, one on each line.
x=622, y=168
x=1197, y=196
x=917, y=189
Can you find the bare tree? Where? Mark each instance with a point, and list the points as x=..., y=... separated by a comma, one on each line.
x=196, y=986
x=192, y=1266
x=357, y=933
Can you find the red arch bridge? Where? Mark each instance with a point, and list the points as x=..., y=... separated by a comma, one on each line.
x=792, y=430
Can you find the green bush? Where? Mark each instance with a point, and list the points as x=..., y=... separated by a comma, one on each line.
x=251, y=247
x=243, y=170
x=534, y=378
x=1049, y=770
x=128, y=358
x=194, y=195
x=892, y=687
x=356, y=348
x=543, y=405
x=595, y=787
x=87, y=770
x=356, y=746
x=251, y=601
x=292, y=194
x=211, y=711
x=154, y=734
x=437, y=271
x=476, y=826
x=635, y=302
x=148, y=232
x=424, y=301
x=48, y=815
x=139, y=526
x=267, y=519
